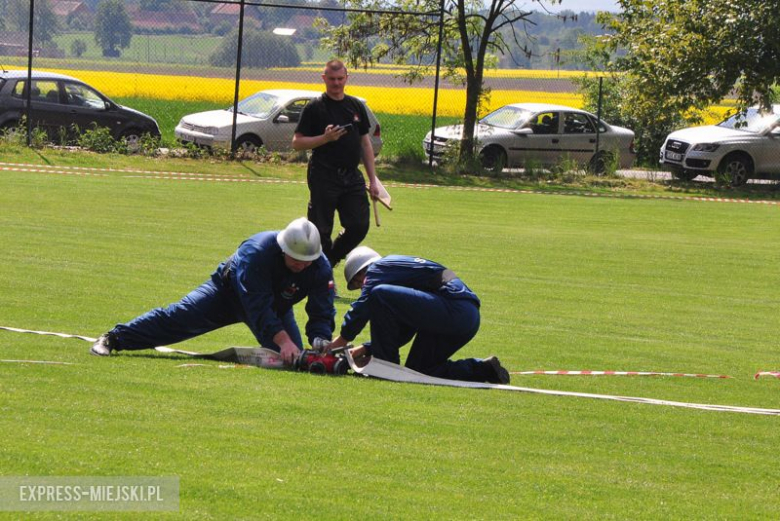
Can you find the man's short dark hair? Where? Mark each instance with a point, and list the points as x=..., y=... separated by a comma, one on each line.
x=335, y=65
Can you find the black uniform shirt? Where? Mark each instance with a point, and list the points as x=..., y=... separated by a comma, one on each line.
x=320, y=112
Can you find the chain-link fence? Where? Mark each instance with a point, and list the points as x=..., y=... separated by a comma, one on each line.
x=183, y=62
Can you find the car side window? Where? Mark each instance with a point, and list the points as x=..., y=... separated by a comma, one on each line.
x=82, y=96
x=19, y=90
x=42, y=90
x=545, y=123
x=50, y=91
x=293, y=110
x=576, y=123
x=600, y=124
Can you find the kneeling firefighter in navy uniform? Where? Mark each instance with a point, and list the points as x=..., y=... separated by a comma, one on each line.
x=411, y=297
x=258, y=285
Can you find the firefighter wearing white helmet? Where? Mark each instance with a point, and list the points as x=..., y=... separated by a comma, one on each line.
x=259, y=284
x=300, y=240
x=358, y=260
x=414, y=299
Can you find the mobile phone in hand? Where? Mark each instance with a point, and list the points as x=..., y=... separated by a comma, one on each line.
x=345, y=127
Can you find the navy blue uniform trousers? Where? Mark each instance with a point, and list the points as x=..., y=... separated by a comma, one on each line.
x=208, y=307
x=442, y=325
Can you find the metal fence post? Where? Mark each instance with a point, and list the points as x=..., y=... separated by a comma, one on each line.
x=240, y=48
x=436, y=83
x=598, y=112
x=28, y=109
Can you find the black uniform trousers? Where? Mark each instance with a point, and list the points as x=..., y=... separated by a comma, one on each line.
x=342, y=191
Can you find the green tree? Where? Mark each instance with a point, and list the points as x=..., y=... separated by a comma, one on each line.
x=113, y=30
x=45, y=25
x=156, y=5
x=78, y=47
x=261, y=49
x=273, y=17
x=624, y=103
x=472, y=31
x=692, y=53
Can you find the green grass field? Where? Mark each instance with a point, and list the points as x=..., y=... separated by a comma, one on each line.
x=567, y=282
x=144, y=48
x=186, y=49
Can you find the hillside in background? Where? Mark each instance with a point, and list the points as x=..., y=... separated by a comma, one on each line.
x=551, y=41
x=545, y=41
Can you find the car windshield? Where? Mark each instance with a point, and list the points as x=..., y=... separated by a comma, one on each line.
x=751, y=121
x=260, y=105
x=507, y=117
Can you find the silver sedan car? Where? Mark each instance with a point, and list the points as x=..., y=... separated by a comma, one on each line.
x=540, y=135
x=265, y=119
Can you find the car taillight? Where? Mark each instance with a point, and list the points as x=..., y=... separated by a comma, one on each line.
x=377, y=131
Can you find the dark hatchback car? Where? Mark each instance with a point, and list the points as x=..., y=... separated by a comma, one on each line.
x=59, y=101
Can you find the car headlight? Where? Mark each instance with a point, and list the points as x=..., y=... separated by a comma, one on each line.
x=705, y=147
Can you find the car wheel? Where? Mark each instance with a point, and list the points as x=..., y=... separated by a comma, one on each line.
x=133, y=139
x=736, y=169
x=248, y=144
x=683, y=175
x=10, y=129
x=599, y=162
x=493, y=159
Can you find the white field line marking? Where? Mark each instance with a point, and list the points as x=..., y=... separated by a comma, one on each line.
x=188, y=176
x=49, y=333
x=48, y=362
x=616, y=373
x=223, y=366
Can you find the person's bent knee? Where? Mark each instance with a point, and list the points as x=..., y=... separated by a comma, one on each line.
x=384, y=297
x=381, y=291
x=356, y=231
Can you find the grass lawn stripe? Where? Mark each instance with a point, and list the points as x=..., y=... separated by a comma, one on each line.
x=564, y=282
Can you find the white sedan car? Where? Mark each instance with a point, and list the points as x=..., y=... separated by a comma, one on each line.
x=742, y=147
x=541, y=135
x=267, y=118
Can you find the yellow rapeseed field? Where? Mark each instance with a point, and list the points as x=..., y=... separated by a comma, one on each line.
x=390, y=100
x=531, y=74
x=393, y=100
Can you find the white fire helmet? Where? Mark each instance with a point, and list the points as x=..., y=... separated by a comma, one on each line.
x=359, y=258
x=300, y=240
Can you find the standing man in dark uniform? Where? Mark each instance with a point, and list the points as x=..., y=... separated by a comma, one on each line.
x=411, y=297
x=258, y=285
x=335, y=127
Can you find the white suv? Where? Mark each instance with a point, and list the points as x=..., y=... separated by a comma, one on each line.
x=744, y=146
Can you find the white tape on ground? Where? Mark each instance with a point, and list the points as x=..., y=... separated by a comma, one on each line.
x=396, y=373
x=188, y=176
x=775, y=374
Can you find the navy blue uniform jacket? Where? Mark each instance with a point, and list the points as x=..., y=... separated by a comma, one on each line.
x=268, y=290
x=401, y=270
